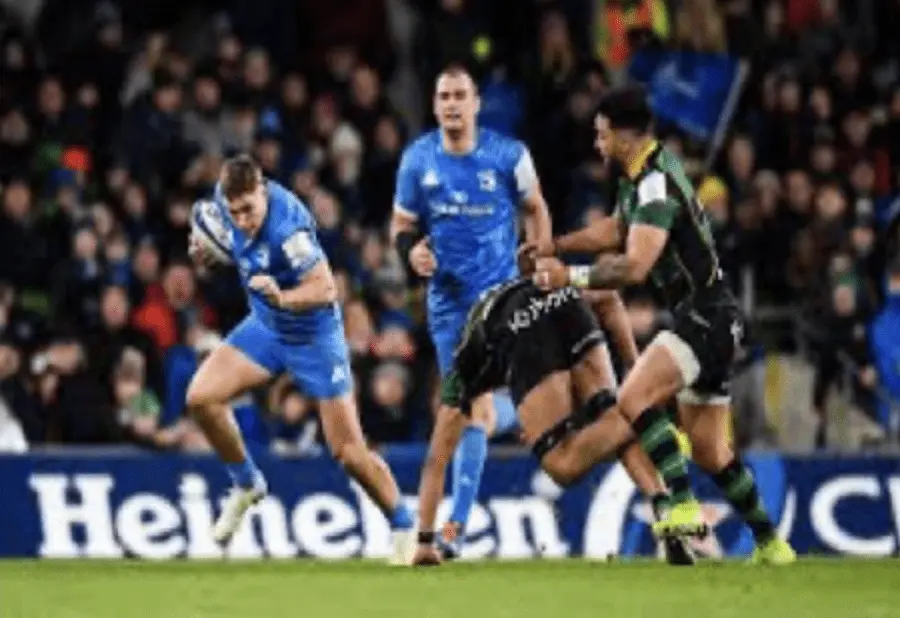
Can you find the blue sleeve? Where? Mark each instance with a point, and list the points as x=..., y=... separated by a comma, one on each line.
x=407, y=195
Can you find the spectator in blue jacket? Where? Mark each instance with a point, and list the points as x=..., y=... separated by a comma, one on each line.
x=886, y=342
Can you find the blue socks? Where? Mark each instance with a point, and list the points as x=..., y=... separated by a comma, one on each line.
x=245, y=473
x=468, y=463
x=401, y=518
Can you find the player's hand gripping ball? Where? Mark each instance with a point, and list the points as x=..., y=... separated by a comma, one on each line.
x=268, y=287
x=550, y=274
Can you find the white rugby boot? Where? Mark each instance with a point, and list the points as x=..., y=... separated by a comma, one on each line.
x=403, y=546
x=238, y=502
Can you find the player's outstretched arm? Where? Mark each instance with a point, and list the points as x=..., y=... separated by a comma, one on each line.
x=604, y=235
x=643, y=248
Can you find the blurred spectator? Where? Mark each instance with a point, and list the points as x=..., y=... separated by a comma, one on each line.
x=114, y=334
x=367, y=102
x=379, y=173
x=296, y=429
x=617, y=22
x=700, y=26
x=23, y=328
x=206, y=125
x=137, y=406
x=78, y=409
x=170, y=310
x=447, y=35
x=843, y=346
x=150, y=142
x=386, y=415
x=12, y=436
x=23, y=243
x=886, y=345
x=78, y=280
x=145, y=271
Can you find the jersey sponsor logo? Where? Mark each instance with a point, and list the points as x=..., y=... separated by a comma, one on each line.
x=525, y=318
x=460, y=197
x=441, y=209
x=487, y=180
x=298, y=248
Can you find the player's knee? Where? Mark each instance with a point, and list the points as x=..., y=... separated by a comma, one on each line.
x=205, y=395
x=200, y=397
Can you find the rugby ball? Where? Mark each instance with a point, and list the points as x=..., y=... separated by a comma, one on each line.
x=209, y=227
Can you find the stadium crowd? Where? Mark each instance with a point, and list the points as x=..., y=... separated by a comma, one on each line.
x=114, y=119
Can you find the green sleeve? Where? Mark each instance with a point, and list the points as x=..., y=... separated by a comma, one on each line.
x=659, y=213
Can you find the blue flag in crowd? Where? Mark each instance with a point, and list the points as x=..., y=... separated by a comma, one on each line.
x=501, y=106
x=688, y=89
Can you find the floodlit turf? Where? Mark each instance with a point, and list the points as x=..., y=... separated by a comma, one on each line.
x=546, y=589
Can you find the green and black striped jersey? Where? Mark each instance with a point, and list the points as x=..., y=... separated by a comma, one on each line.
x=687, y=272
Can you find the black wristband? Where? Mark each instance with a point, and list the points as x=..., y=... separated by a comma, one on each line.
x=426, y=537
x=405, y=241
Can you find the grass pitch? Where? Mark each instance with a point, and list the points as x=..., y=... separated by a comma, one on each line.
x=544, y=589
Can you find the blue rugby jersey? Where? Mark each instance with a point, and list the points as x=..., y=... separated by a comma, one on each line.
x=285, y=248
x=469, y=206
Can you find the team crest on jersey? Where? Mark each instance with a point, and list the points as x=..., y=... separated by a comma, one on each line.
x=244, y=266
x=487, y=180
x=430, y=179
x=262, y=256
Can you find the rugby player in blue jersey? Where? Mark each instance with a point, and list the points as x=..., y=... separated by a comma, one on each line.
x=294, y=325
x=461, y=191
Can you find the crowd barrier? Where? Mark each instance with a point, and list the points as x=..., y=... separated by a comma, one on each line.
x=114, y=505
